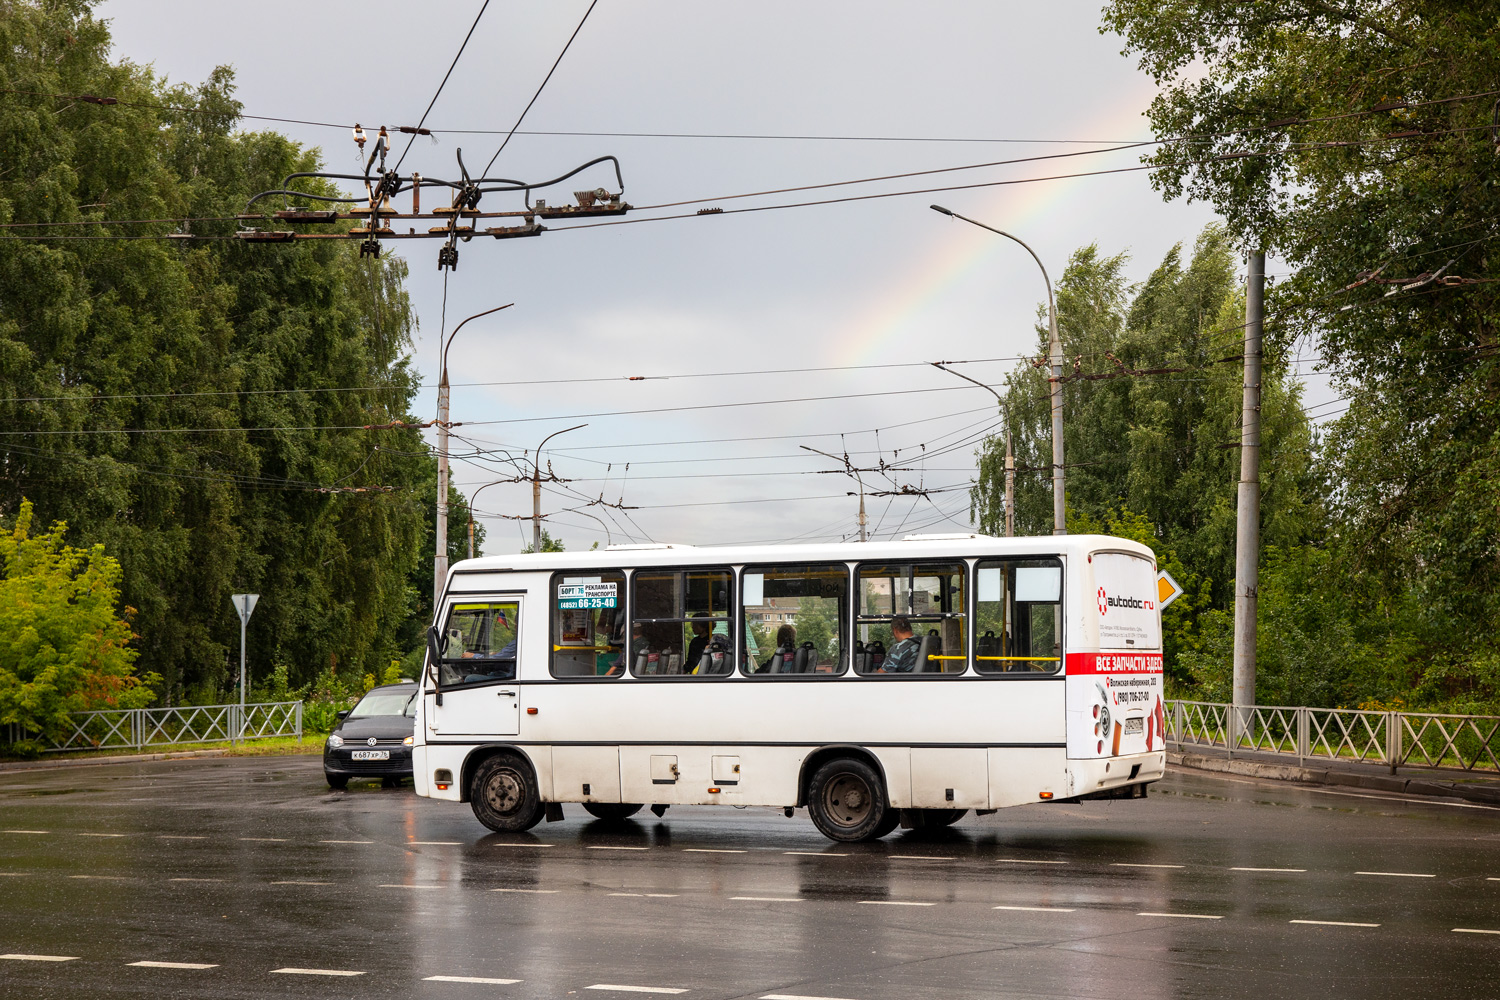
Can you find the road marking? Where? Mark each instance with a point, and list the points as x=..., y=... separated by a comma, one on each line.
x=634, y=989
x=915, y=857
x=604, y=847
x=346, y=841
x=1268, y=869
x=107, y=878
x=1456, y=930
x=1397, y=874
x=523, y=845
x=1126, y=864
x=648, y=895
x=768, y=899
x=1493, y=878
x=891, y=902
x=267, y=840
x=194, y=879
x=1037, y=909
x=1183, y=916
x=104, y=835
x=539, y=892
x=178, y=836
x=437, y=843
x=24, y=831
x=296, y=882
x=793, y=996
x=393, y=885
x=41, y=958
x=1331, y=923
x=711, y=850
x=471, y=979
x=817, y=854
x=173, y=965
x=1029, y=861
x=316, y=972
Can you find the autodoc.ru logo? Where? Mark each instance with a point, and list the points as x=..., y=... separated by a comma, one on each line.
x=1134, y=603
x=1103, y=602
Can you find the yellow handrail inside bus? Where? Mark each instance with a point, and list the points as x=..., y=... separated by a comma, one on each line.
x=1049, y=659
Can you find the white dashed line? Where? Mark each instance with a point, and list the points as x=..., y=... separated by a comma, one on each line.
x=104, y=835
x=610, y=847
x=1331, y=923
x=178, y=836
x=647, y=895
x=480, y=980
x=523, y=845
x=393, y=885
x=172, y=965
x=634, y=989
x=106, y=878
x=12, y=874
x=767, y=899
x=266, y=840
x=1183, y=916
x=316, y=972
x=537, y=892
x=1456, y=930
x=1028, y=861
x=41, y=958
x=1036, y=909
x=1397, y=874
x=346, y=841
x=1493, y=878
x=436, y=843
x=891, y=902
x=793, y=996
x=817, y=854
x=915, y=857
x=298, y=882
x=711, y=850
x=1268, y=869
x=25, y=831
x=1126, y=864
x=195, y=880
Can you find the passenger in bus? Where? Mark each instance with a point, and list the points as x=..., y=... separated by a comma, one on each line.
x=786, y=649
x=701, y=632
x=902, y=657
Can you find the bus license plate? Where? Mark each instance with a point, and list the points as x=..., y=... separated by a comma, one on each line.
x=386, y=754
x=1134, y=727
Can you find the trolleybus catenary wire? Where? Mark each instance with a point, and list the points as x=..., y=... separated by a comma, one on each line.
x=465, y=44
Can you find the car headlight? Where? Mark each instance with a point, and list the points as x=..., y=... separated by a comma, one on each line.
x=408, y=741
x=335, y=741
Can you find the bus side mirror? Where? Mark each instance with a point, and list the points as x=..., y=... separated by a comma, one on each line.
x=436, y=645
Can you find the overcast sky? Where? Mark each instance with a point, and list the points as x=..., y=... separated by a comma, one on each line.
x=871, y=283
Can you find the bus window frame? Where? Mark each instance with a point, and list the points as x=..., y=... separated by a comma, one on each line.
x=1062, y=594
x=846, y=665
x=516, y=597
x=551, y=602
x=967, y=564
x=630, y=620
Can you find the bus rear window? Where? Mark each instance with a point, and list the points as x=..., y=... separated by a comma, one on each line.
x=1018, y=616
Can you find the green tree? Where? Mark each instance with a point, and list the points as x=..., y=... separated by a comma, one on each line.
x=549, y=544
x=63, y=645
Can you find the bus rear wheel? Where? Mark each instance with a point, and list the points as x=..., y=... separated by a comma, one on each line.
x=612, y=812
x=846, y=800
x=504, y=796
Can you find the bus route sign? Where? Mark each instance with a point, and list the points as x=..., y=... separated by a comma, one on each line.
x=575, y=596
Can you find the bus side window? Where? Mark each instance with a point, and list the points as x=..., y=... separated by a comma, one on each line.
x=912, y=619
x=588, y=624
x=481, y=643
x=1018, y=615
x=796, y=619
x=680, y=622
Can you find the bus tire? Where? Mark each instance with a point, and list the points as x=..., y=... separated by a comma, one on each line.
x=933, y=818
x=847, y=800
x=504, y=796
x=889, y=822
x=612, y=812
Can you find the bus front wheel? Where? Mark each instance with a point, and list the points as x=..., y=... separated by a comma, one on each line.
x=846, y=800
x=504, y=795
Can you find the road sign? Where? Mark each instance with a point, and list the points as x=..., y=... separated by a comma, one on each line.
x=244, y=605
x=1167, y=589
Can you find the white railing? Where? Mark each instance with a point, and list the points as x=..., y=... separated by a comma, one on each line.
x=140, y=728
x=1394, y=739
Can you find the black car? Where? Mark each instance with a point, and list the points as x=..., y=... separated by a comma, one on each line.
x=373, y=739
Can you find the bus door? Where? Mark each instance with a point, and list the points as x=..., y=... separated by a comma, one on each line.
x=471, y=684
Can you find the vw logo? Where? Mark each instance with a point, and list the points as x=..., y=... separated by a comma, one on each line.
x=371, y=741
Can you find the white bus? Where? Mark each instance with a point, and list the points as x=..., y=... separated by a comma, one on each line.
x=878, y=684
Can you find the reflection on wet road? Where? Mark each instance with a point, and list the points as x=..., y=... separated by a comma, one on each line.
x=248, y=878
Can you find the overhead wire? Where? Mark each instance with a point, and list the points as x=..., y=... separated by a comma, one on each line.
x=483, y=7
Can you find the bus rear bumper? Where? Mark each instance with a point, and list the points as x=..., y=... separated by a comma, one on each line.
x=1109, y=774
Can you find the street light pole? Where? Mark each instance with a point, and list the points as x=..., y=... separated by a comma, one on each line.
x=440, y=543
x=1010, y=455
x=536, y=488
x=475, y=496
x=1055, y=355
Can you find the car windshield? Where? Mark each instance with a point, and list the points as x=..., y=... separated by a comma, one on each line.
x=385, y=703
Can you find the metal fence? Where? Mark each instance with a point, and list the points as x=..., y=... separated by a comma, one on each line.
x=140, y=728
x=1394, y=739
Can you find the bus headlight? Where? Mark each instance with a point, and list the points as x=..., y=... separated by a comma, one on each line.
x=335, y=741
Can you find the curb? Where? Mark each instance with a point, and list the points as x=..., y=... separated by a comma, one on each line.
x=1488, y=794
x=41, y=765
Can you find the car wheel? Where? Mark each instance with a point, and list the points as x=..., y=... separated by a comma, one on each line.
x=504, y=796
x=390, y=782
x=612, y=811
x=338, y=782
x=846, y=800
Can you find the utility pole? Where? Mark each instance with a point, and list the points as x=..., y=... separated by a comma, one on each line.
x=440, y=543
x=1010, y=487
x=536, y=488
x=849, y=469
x=1247, y=529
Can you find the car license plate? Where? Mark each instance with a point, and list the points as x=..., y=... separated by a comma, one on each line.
x=386, y=754
x=1134, y=727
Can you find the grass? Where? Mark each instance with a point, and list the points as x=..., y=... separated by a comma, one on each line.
x=276, y=746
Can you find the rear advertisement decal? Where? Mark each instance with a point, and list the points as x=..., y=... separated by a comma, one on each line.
x=1114, y=704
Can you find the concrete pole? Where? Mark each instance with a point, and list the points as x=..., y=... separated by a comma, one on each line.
x=440, y=560
x=1010, y=487
x=1054, y=349
x=536, y=503
x=1247, y=529
x=240, y=728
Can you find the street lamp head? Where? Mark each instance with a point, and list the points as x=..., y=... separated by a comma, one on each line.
x=940, y=208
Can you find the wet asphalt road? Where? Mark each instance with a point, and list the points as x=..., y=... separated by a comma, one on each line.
x=1212, y=887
